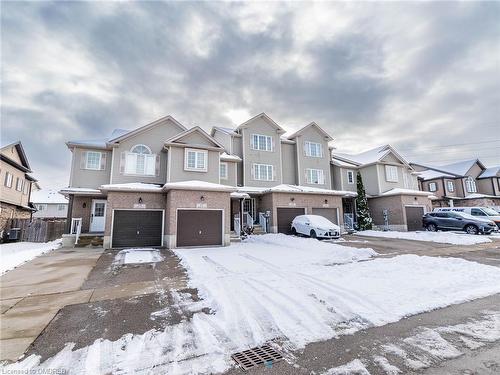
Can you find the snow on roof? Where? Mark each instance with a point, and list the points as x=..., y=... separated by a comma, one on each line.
x=458, y=168
x=399, y=191
x=366, y=157
x=284, y=188
x=226, y=157
x=226, y=130
x=48, y=196
x=490, y=172
x=100, y=143
x=79, y=191
x=236, y=194
x=133, y=186
x=431, y=174
x=118, y=133
x=342, y=163
x=197, y=185
x=477, y=195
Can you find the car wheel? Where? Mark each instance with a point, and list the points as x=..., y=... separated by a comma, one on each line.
x=313, y=234
x=431, y=227
x=471, y=229
x=294, y=231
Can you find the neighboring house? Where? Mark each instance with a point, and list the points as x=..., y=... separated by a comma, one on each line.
x=16, y=184
x=390, y=184
x=465, y=183
x=49, y=204
x=165, y=185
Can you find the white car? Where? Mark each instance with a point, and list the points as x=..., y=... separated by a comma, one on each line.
x=315, y=226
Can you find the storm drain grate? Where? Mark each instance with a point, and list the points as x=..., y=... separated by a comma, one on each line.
x=261, y=355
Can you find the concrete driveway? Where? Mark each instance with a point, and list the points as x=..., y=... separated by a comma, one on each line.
x=72, y=279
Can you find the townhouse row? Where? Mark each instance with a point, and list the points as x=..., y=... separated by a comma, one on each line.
x=165, y=185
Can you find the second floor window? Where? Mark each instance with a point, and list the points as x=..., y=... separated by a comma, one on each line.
x=61, y=207
x=391, y=173
x=8, y=180
x=263, y=172
x=26, y=187
x=140, y=161
x=313, y=149
x=350, y=177
x=41, y=207
x=432, y=186
x=223, y=171
x=450, y=186
x=93, y=160
x=262, y=142
x=470, y=185
x=196, y=160
x=315, y=176
x=19, y=184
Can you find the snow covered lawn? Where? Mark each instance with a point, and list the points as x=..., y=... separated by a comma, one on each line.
x=296, y=290
x=441, y=237
x=16, y=253
x=138, y=255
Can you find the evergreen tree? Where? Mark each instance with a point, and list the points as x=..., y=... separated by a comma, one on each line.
x=363, y=214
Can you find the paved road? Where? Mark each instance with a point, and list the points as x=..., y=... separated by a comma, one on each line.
x=370, y=344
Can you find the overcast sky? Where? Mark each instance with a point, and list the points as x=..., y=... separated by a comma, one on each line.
x=422, y=77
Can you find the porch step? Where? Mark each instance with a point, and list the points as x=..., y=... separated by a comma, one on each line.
x=89, y=241
x=257, y=229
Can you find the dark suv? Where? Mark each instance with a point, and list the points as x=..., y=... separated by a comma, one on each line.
x=449, y=220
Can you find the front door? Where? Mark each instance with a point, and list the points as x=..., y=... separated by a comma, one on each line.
x=249, y=207
x=98, y=215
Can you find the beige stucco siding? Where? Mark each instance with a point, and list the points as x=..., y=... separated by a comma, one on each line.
x=370, y=178
x=87, y=178
x=250, y=156
x=224, y=139
x=388, y=185
x=231, y=174
x=155, y=139
x=345, y=182
x=288, y=157
x=177, y=172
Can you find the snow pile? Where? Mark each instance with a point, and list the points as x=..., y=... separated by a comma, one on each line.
x=139, y=255
x=355, y=367
x=441, y=237
x=14, y=254
x=275, y=286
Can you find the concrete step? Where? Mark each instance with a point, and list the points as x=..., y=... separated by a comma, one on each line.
x=89, y=241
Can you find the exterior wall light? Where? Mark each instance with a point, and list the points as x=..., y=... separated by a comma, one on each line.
x=292, y=199
x=84, y=205
x=202, y=198
x=140, y=200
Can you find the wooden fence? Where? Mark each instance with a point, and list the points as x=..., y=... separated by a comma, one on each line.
x=38, y=230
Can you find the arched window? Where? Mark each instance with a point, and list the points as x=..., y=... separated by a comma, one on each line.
x=470, y=185
x=140, y=161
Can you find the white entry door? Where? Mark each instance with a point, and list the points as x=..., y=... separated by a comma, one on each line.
x=98, y=215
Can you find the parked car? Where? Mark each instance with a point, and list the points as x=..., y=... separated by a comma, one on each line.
x=451, y=220
x=482, y=212
x=315, y=226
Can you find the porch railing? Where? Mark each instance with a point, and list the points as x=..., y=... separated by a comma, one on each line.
x=349, y=221
x=248, y=220
x=237, y=225
x=76, y=228
x=263, y=221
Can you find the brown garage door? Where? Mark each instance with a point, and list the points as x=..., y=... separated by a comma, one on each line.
x=286, y=216
x=329, y=213
x=133, y=228
x=199, y=227
x=414, y=218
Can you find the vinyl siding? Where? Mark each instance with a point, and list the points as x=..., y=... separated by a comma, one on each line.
x=11, y=195
x=86, y=178
x=177, y=172
x=288, y=157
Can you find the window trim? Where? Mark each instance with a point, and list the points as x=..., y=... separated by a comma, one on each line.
x=8, y=180
x=309, y=176
x=149, y=155
x=19, y=184
x=226, y=176
x=448, y=184
x=262, y=135
x=388, y=176
x=256, y=175
x=350, y=172
x=87, y=160
x=61, y=206
x=307, y=148
x=470, y=185
x=432, y=190
x=196, y=151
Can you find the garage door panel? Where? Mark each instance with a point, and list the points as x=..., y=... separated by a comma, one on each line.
x=133, y=228
x=199, y=228
x=414, y=218
x=285, y=216
x=328, y=213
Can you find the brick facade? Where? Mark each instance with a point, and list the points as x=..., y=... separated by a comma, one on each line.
x=9, y=211
x=395, y=205
x=81, y=208
x=476, y=202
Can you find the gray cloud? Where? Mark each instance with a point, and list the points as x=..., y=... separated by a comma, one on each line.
x=416, y=75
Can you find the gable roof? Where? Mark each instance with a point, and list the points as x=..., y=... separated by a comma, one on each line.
x=123, y=134
x=25, y=166
x=312, y=124
x=48, y=196
x=431, y=174
x=265, y=117
x=172, y=141
x=370, y=156
x=224, y=130
x=490, y=172
x=457, y=169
